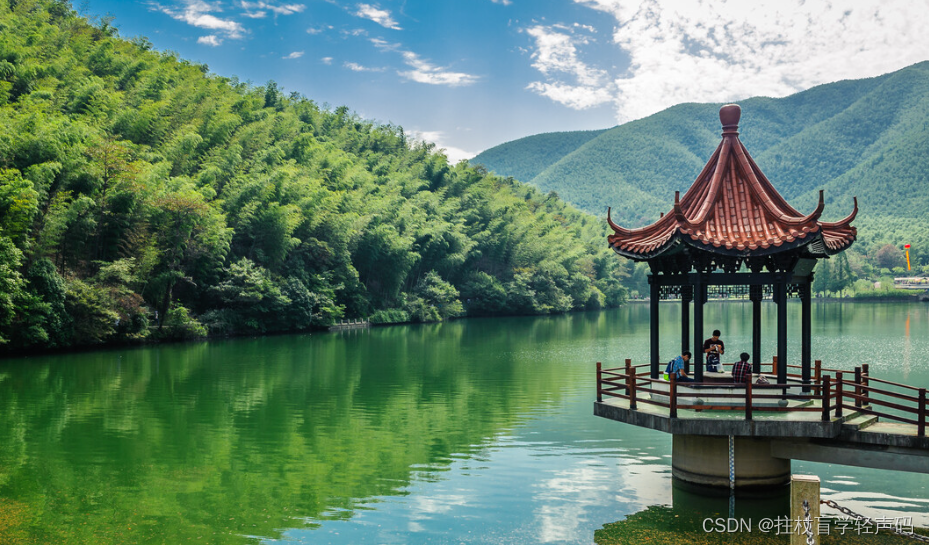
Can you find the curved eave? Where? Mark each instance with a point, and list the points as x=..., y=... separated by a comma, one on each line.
x=666, y=248
x=678, y=239
x=840, y=235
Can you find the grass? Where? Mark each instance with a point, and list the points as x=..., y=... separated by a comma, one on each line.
x=665, y=525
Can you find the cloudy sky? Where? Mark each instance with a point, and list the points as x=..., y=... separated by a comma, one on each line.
x=471, y=74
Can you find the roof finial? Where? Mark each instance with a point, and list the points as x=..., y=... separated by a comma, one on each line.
x=729, y=116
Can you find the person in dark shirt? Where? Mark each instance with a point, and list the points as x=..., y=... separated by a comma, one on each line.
x=713, y=348
x=742, y=371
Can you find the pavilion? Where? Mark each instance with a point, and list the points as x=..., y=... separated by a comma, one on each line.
x=733, y=234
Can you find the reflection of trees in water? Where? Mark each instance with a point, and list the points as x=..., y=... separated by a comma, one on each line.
x=250, y=436
x=246, y=437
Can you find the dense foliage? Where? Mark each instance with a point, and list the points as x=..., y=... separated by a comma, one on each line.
x=526, y=158
x=866, y=138
x=142, y=196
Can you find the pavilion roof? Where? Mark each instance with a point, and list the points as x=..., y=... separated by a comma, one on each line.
x=733, y=209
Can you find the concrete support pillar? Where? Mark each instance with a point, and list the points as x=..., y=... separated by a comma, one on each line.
x=704, y=460
x=804, y=487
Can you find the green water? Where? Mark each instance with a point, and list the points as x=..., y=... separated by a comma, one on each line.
x=476, y=431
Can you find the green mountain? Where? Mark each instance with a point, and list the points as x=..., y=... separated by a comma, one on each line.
x=526, y=158
x=867, y=138
x=143, y=197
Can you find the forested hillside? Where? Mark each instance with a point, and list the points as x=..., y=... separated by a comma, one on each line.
x=867, y=138
x=526, y=158
x=142, y=196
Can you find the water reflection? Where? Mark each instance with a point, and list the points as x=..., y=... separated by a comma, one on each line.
x=477, y=431
x=907, y=349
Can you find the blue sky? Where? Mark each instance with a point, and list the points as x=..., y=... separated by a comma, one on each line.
x=471, y=74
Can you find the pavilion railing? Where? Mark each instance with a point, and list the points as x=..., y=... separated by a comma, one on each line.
x=890, y=400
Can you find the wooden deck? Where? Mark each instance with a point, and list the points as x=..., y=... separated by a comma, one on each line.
x=861, y=420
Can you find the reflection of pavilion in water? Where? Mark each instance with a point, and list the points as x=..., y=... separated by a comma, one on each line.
x=907, y=349
x=733, y=233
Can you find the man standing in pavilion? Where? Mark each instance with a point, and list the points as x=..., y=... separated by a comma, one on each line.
x=714, y=348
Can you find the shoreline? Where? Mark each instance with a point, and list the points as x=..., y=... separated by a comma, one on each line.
x=915, y=298
x=29, y=352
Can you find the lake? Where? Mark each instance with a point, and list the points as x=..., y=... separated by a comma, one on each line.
x=473, y=431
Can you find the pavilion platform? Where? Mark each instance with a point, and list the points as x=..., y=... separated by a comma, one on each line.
x=849, y=422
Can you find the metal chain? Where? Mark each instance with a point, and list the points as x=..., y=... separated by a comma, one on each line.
x=808, y=523
x=732, y=464
x=868, y=521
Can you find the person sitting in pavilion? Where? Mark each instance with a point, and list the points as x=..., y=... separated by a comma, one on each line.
x=676, y=368
x=742, y=370
x=714, y=348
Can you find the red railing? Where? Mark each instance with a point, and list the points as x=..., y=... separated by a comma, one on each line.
x=834, y=395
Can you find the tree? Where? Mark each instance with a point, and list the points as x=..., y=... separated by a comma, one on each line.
x=192, y=240
x=12, y=285
x=841, y=275
x=822, y=278
x=93, y=321
x=18, y=204
x=116, y=192
x=433, y=300
x=250, y=301
x=483, y=295
x=44, y=321
x=889, y=256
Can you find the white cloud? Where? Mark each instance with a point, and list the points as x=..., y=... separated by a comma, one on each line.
x=355, y=67
x=326, y=60
x=453, y=154
x=556, y=56
x=282, y=9
x=579, y=97
x=319, y=29
x=198, y=13
x=293, y=55
x=424, y=71
x=504, y=2
x=209, y=40
x=379, y=16
x=717, y=51
x=384, y=44
x=556, y=52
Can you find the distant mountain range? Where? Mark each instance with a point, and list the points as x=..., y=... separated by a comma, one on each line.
x=867, y=138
